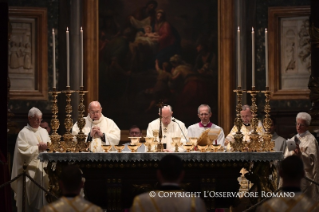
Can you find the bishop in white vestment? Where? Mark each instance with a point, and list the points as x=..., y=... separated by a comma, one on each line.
x=170, y=129
x=99, y=129
x=31, y=140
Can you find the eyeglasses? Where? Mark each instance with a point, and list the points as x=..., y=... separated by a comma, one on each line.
x=301, y=125
x=135, y=133
x=37, y=119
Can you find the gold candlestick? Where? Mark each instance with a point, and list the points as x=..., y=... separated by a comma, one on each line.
x=267, y=144
x=237, y=145
x=81, y=145
x=55, y=137
x=254, y=137
x=68, y=123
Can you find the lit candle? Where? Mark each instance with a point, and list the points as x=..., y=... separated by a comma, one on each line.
x=81, y=33
x=238, y=58
x=67, y=58
x=53, y=54
x=253, y=56
x=266, y=55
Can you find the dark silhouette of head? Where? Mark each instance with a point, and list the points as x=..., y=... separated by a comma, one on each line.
x=71, y=180
x=170, y=169
x=292, y=171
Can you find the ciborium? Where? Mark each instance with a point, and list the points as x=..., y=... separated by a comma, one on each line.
x=188, y=147
x=106, y=147
x=148, y=143
x=119, y=148
x=202, y=148
x=133, y=148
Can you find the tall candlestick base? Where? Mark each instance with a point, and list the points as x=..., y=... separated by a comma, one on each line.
x=69, y=144
x=81, y=145
x=54, y=146
x=237, y=145
x=254, y=144
x=268, y=144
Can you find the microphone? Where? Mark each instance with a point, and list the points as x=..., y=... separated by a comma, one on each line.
x=89, y=135
x=174, y=120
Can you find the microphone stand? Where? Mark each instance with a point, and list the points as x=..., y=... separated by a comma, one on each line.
x=174, y=120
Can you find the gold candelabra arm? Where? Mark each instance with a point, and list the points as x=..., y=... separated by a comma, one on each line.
x=238, y=122
x=254, y=109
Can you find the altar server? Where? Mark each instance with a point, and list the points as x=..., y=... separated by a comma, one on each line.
x=171, y=127
x=31, y=140
x=99, y=129
x=170, y=196
x=71, y=184
x=307, y=149
x=204, y=114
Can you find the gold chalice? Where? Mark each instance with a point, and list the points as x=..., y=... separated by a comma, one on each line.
x=202, y=148
x=155, y=133
x=188, y=147
x=148, y=143
x=119, y=148
x=133, y=148
x=193, y=141
x=176, y=141
x=106, y=147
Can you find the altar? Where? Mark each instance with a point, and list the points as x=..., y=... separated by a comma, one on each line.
x=113, y=179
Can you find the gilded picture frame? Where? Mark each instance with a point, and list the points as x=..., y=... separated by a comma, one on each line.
x=28, y=53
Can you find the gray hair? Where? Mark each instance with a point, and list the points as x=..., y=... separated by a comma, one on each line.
x=245, y=107
x=304, y=116
x=204, y=105
x=34, y=112
x=169, y=107
x=94, y=102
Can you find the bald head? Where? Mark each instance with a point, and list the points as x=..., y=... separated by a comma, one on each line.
x=95, y=110
x=167, y=115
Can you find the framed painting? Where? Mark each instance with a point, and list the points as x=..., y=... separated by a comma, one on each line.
x=27, y=53
x=157, y=50
x=289, y=52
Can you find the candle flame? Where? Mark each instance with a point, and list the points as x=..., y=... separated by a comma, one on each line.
x=238, y=28
x=52, y=30
x=67, y=28
x=265, y=29
x=81, y=28
x=252, y=29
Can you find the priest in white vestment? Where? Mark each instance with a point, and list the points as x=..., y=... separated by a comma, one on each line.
x=246, y=128
x=196, y=130
x=291, y=171
x=171, y=127
x=308, y=151
x=99, y=129
x=31, y=140
x=170, y=196
x=71, y=183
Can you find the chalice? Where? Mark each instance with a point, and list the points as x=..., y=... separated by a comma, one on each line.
x=176, y=141
x=202, y=148
x=135, y=141
x=106, y=147
x=133, y=148
x=119, y=148
x=193, y=141
x=148, y=143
